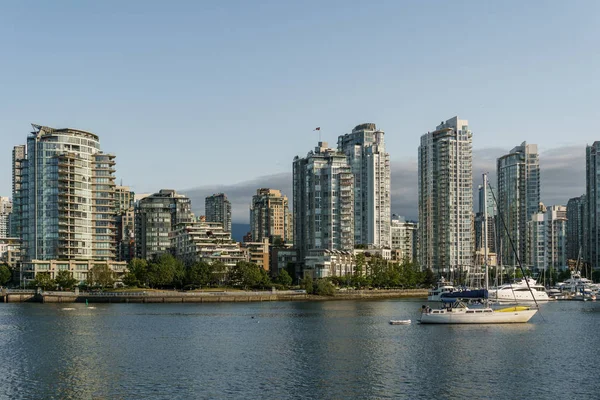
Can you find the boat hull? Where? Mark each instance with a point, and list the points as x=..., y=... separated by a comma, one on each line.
x=463, y=317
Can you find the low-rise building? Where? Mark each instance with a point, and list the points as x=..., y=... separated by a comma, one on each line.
x=205, y=241
x=258, y=253
x=323, y=263
x=282, y=257
x=78, y=268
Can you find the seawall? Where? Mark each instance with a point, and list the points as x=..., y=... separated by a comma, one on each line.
x=204, y=297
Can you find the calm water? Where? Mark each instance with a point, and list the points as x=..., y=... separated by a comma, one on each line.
x=292, y=350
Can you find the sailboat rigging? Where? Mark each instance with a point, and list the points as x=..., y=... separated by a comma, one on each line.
x=459, y=313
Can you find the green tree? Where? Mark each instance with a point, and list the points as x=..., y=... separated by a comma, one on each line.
x=5, y=274
x=307, y=284
x=130, y=280
x=596, y=276
x=246, y=274
x=138, y=268
x=219, y=273
x=165, y=270
x=564, y=275
x=65, y=280
x=101, y=275
x=43, y=280
x=325, y=287
x=429, y=277
x=283, y=278
x=199, y=274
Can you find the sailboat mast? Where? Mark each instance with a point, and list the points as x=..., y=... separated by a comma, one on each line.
x=485, y=231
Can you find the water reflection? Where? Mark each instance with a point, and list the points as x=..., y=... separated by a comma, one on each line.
x=295, y=350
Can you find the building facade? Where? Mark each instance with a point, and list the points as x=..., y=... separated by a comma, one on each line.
x=365, y=149
x=548, y=238
x=575, y=227
x=323, y=186
x=125, y=223
x=479, y=222
x=518, y=175
x=592, y=206
x=64, y=187
x=404, y=239
x=195, y=241
x=270, y=216
x=217, y=208
x=5, y=214
x=18, y=158
x=446, y=197
x=156, y=216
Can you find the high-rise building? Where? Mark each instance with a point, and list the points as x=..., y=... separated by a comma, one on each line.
x=323, y=186
x=65, y=191
x=592, y=206
x=491, y=218
x=404, y=236
x=5, y=212
x=547, y=238
x=365, y=149
x=518, y=199
x=575, y=227
x=269, y=216
x=64, y=187
x=446, y=197
x=18, y=157
x=156, y=217
x=124, y=198
x=218, y=209
x=125, y=223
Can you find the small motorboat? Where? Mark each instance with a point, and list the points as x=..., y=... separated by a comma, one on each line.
x=400, y=322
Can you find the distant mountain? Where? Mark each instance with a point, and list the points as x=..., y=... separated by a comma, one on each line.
x=238, y=231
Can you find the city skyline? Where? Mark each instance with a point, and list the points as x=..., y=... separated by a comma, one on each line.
x=304, y=69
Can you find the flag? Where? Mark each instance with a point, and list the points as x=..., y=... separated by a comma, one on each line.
x=318, y=128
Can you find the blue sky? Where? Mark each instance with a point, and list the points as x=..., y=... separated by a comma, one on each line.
x=192, y=94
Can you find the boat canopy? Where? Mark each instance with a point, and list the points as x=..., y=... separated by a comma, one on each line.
x=465, y=294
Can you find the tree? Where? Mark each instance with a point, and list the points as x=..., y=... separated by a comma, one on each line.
x=165, y=270
x=307, y=284
x=100, y=275
x=130, y=280
x=5, y=274
x=199, y=274
x=325, y=288
x=283, y=278
x=219, y=272
x=564, y=275
x=246, y=274
x=138, y=273
x=429, y=278
x=65, y=280
x=43, y=280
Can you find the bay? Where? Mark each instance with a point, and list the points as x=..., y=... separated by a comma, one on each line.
x=291, y=350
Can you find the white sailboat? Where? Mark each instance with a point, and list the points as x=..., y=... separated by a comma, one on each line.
x=459, y=313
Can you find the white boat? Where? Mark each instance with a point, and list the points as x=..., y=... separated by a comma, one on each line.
x=459, y=313
x=400, y=322
x=519, y=292
x=443, y=286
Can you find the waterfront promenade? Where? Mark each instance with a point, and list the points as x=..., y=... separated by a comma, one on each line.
x=172, y=296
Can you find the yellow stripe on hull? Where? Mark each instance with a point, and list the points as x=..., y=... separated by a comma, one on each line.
x=511, y=309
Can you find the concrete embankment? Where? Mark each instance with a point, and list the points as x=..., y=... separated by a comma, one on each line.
x=204, y=297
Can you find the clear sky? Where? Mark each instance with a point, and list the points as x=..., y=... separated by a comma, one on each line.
x=194, y=93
